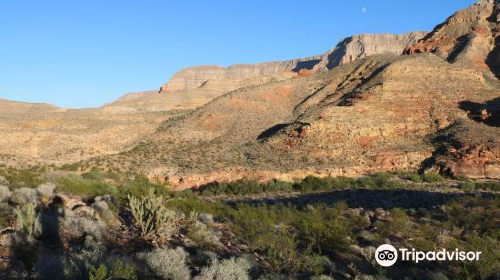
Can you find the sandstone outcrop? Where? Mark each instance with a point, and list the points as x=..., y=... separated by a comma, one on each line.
x=469, y=37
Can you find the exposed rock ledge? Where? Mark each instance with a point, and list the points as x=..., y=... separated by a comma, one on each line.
x=348, y=50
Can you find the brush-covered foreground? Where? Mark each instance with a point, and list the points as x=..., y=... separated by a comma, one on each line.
x=122, y=226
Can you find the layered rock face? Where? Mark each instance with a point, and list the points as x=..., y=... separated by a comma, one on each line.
x=469, y=37
x=346, y=51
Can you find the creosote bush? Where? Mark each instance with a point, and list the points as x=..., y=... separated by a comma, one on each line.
x=149, y=212
x=230, y=269
x=167, y=263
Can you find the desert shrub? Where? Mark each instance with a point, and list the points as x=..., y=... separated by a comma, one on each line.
x=139, y=187
x=107, y=212
x=124, y=271
x=25, y=253
x=367, y=182
x=462, y=178
x=379, y=180
x=46, y=190
x=488, y=186
x=277, y=185
x=71, y=166
x=24, y=195
x=399, y=223
x=467, y=186
x=414, y=177
x=148, y=212
x=314, y=264
x=25, y=219
x=243, y=187
x=6, y=215
x=167, y=263
x=325, y=229
x=79, y=262
x=473, y=215
x=120, y=271
x=3, y=180
x=432, y=177
x=311, y=183
x=322, y=277
x=203, y=234
x=80, y=226
x=5, y=193
x=238, y=187
x=230, y=269
x=487, y=267
x=21, y=177
x=77, y=185
x=99, y=273
x=276, y=277
x=188, y=204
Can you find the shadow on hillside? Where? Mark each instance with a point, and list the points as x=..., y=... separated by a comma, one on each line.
x=271, y=131
x=487, y=113
x=367, y=199
x=307, y=65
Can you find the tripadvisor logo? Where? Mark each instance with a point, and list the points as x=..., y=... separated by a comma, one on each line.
x=386, y=255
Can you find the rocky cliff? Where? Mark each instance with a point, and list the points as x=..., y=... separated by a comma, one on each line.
x=346, y=51
x=469, y=37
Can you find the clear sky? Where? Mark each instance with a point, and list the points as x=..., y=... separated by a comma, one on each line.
x=88, y=52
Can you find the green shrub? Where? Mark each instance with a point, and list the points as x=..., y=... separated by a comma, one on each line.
x=6, y=215
x=99, y=273
x=140, y=186
x=379, y=180
x=415, y=177
x=398, y=224
x=467, y=186
x=278, y=186
x=462, y=178
x=311, y=183
x=239, y=187
x=124, y=271
x=22, y=177
x=77, y=185
x=488, y=186
x=432, y=177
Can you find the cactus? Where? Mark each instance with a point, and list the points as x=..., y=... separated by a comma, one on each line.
x=148, y=212
x=26, y=217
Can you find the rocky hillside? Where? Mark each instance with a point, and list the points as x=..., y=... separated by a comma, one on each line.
x=383, y=112
x=362, y=107
x=193, y=87
x=42, y=133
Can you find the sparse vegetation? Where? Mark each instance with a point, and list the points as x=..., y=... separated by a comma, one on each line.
x=77, y=185
x=285, y=241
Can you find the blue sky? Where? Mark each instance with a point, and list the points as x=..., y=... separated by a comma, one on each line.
x=86, y=53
